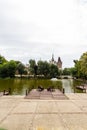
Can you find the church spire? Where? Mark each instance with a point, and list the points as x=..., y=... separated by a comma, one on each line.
x=52, y=57
x=59, y=63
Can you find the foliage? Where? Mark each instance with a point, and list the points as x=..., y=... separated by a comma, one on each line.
x=66, y=71
x=81, y=67
x=20, y=67
x=8, y=69
x=32, y=68
x=11, y=68
x=35, y=69
x=4, y=71
x=73, y=71
x=2, y=60
x=43, y=68
x=53, y=71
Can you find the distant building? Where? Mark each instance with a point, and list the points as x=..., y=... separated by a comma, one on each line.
x=58, y=63
x=52, y=61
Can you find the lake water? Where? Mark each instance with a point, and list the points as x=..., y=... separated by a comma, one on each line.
x=19, y=86
x=67, y=84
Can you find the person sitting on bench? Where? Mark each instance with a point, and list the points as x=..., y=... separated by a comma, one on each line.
x=40, y=88
x=50, y=88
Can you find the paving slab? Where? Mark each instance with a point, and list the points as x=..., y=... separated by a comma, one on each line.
x=82, y=104
x=17, y=122
x=73, y=96
x=75, y=121
x=18, y=113
x=48, y=122
x=25, y=107
x=46, y=107
x=68, y=107
x=82, y=96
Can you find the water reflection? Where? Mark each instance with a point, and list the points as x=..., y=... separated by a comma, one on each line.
x=68, y=85
x=19, y=86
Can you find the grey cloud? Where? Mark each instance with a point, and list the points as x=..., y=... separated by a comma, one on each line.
x=32, y=36
x=83, y=1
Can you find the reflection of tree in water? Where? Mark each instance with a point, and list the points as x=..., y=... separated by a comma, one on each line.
x=19, y=86
x=5, y=84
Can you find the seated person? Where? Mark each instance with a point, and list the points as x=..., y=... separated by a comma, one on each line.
x=51, y=89
x=40, y=88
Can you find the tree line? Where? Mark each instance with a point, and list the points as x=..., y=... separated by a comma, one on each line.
x=80, y=68
x=42, y=68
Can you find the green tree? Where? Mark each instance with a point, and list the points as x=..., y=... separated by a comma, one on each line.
x=73, y=72
x=2, y=60
x=53, y=71
x=32, y=64
x=66, y=71
x=83, y=65
x=8, y=69
x=46, y=68
x=43, y=68
x=20, y=67
x=76, y=70
x=35, y=69
x=4, y=71
x=40, y=67
x=11, y=68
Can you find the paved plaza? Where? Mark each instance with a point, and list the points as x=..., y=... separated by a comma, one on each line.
x=18, y=113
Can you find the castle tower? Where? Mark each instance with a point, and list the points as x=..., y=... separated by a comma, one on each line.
x=52, y=60
x=59, y=63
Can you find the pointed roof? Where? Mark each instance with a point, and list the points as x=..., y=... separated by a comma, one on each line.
x=52, y=57
x=59, y=60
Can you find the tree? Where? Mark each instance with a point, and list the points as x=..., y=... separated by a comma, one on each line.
x=46, y=68
x=43, y=68
x=35, y=69
x=66, y=71
x=76, y=70
x=4, y=71
x=11, y=68
x=40, y=67
x=83, y=65
x=2, y=60
x=32, y=68
x=73, y=71
x=53, y=71
x=20, y=67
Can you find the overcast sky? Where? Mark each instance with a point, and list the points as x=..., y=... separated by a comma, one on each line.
x=36, y=29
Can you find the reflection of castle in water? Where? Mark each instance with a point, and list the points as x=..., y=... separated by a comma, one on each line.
x=58, y=63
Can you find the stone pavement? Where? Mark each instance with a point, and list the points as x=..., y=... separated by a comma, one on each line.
x=44, y=95
x=17, y=113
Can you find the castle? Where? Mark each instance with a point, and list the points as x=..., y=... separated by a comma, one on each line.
x=58, y=63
